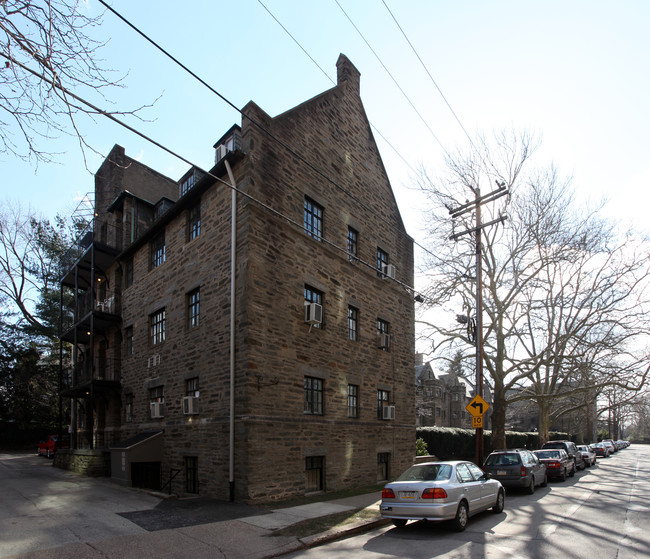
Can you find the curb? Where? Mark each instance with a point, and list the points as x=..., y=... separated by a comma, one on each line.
x=337, y=534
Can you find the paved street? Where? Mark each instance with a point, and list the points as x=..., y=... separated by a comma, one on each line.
x=45, y=507
x=601, y=513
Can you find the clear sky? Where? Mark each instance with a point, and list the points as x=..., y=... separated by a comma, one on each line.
x=576, y=72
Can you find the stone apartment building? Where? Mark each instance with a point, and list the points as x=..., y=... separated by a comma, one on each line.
x=441, y=398
x=252, y=354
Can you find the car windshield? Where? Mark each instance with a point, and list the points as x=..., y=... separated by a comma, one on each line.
x=426, y=472
x=548, y=454
x=505, y=459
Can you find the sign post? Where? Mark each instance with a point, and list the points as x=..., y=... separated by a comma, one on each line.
x=477, y=408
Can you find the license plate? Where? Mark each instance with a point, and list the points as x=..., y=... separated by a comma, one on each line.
x=409, y=494
x=502, y=473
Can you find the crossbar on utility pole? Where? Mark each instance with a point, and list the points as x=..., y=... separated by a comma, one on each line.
x=457, y=212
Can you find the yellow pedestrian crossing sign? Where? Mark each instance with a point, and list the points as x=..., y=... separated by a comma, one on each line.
x=477, y=407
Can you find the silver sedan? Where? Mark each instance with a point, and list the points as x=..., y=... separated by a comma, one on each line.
x=441, y=491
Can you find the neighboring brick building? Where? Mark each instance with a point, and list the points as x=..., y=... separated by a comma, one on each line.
x=323, y=323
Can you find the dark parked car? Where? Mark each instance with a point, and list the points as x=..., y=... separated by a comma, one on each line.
x=557, y=461
x=601, y=450
x=516, y=468
x=571, y=449
x=609, y=443
x=440, y=491
x=52, y=444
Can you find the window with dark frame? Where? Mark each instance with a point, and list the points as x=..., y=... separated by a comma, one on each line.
x=193, y=308
x=382, y=260
x=192, y=387
x=383, y=397
x=313, y=396
x=157, y=394
x=353, y=324
x=157, y=327
x=353, y=242
x=158, y=251
x=313, y=220
x=128, y=273
x=128, y=338
x=128, y=407
x=353, y=400
x=383, y=327
x=194, y=222
x=191, y=474
x=314, y=470
x=313, y=295
x=383, y=463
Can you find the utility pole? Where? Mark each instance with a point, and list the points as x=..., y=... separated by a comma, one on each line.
x=475, y=206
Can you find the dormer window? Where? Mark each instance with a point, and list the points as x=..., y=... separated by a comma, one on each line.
x=189, y=180
x=230, y=141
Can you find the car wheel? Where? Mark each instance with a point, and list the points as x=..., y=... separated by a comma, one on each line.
x=462, y=514
x=531, y=486
x=545, y=482
x=563, y=476
x=399, y=522
x=501, y=501
x=573, y=470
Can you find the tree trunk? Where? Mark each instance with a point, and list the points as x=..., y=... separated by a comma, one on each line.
x=544, y=422
x=499, y=420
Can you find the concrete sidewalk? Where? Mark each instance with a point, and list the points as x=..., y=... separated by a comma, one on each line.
x=250, y=537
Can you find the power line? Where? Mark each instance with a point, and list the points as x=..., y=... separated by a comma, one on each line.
x=253, y=121
x=392, y=78
x=429, y=74
x=333, y=82
x=57, y=85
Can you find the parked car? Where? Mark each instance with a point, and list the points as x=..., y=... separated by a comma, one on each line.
x=440, y=491
x=516, y=468
x=610, y=445
x=601, y=450
x=571, y=449
x=588, y=454
x=52, y=444
x=558, y=463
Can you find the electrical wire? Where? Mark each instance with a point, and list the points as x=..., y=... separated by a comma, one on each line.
x=394, y=80
x=253, y=121
x=429, y=74
x=56, y=84
x=333, y=82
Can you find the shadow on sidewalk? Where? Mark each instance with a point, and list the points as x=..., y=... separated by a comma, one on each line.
x=174, y=513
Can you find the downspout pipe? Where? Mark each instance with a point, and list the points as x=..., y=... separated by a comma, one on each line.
x=233, y=268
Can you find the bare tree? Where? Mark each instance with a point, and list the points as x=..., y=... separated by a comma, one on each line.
x=30, y=251
x=48, y=49
x=562, y=293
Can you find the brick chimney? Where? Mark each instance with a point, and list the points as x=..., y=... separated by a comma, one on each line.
x=347, y=73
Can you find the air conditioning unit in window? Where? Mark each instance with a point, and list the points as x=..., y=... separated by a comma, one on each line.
x=157, y=410
x=220, y=153
x=389, y=271
x=388, y=412
x=383, y=341
x=190, y=405
x=313, y=313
